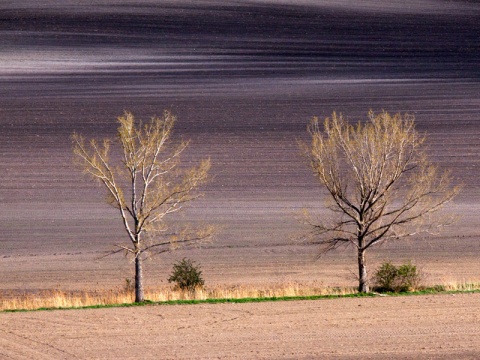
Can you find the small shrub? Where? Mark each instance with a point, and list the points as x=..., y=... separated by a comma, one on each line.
x=385, y=277
x=389, y=277
x=408, y=277
x=186, y=275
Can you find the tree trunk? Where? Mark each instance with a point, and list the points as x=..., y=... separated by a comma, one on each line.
x=139, y=295
x=362, y=272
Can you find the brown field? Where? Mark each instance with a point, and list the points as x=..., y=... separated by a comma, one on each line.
x=244, y=80
x=416, y=327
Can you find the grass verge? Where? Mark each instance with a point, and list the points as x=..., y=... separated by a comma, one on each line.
x=435, y=290
x=204, y=301
x=80, y=299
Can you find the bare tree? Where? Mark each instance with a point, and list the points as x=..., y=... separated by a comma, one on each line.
x=380, y=182
x=145, y=184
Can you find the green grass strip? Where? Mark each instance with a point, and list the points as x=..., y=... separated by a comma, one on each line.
x=428, y=291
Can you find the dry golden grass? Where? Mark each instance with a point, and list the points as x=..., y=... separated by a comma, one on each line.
x=252, y=291
x=64, y=299
x=460, y=285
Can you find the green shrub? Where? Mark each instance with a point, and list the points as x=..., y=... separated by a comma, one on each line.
x=385, y=277
x=186, y=275
x=390, y=278
x=408, y=277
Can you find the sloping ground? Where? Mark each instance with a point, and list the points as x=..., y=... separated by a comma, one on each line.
x=440, y=326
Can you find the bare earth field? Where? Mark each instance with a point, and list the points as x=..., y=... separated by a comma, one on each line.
x=415, y=327
x=244, y=79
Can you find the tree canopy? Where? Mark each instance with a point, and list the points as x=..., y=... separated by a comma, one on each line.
x=380, y=182
x=145, y=183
